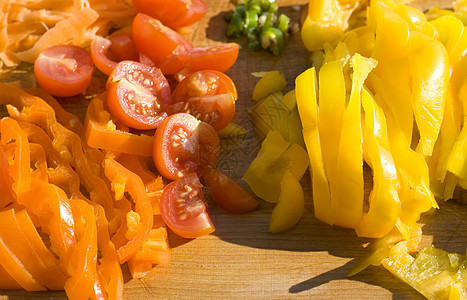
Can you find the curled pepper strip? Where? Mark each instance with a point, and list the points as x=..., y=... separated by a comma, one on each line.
x=26, y=107
x=135, y=187
x=20, y=167
x=384, y=204
x=84, y=281
x=101, y=132
x=306, y=87
x=348, y=203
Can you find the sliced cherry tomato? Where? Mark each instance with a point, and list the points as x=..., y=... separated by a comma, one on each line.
x=216, y=110
x=155, y=40
x=64, y=71
x=175, y=13
x=99, y=48
x=228, y=194
x=183, y=145
x=184, y=209
x=202, y=83
x=138, y=95
x=122, y=46
x=209, y=96
x=220, y=58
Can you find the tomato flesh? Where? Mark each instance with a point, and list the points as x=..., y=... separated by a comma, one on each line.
x=138, y=95
x=174, y=13
x=64, y=71
x=184, y=209
x=228, y=194
x=183, y=145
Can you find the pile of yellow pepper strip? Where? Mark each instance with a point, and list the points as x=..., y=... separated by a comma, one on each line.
x=389, y=94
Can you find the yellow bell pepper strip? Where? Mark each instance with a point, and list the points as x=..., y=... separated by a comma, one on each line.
x=278, y=112
x=271, y=82
x=101, y=132
x=391, y=30
x=415, y=194
x=332, y=98
x=274, y=158
x=306, y=90
x=20, y=165
x=348, y=192
x=429, y=63
x=435, y=273
x=416, y=20
x=326, y=21
x=381, y=248
x=384, y=204
x=291, y=204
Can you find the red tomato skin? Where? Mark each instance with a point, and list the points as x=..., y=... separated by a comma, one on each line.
x=175, y=13
x=99, y=48
x=64, y=71
x=184, y=209
x=219, y=58
x=228, y=194
x=123, y=47
x=117, y=89
x=155, y=40
x=193, y=155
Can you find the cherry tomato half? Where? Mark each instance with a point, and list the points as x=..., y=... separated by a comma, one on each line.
x=220, y=58
x=228, y=194
x=184, y=209
x=183, y=145
x=122, y=46
x=64, y=71
x=175, y=13
x=155, y=40
x=209, y=96
x=202, y=83
x=138, y=95
x=99, y=48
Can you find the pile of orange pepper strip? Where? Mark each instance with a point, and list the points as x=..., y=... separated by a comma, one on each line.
x=55, y=186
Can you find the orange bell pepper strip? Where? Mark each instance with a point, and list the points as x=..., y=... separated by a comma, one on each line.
x=154, y=183
x=7, y=195
x=109, y=269
x=59, y=171
x=101, y=132
x=39, y=161
x=20, y=167
x=69, y=120
x=26, y=107
x=7, y=282
x=84, y=282
x=17, y=271
x=44, y=269
x=133, y=184
x=155, y=250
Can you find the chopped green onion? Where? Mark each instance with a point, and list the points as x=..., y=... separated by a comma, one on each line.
x=251, y=20
x=235, y=27
x=283, y=23
x=272, y=39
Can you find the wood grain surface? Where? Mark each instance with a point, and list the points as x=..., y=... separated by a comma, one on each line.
x=241, y=259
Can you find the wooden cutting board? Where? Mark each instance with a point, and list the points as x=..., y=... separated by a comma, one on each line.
x=241, y=259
